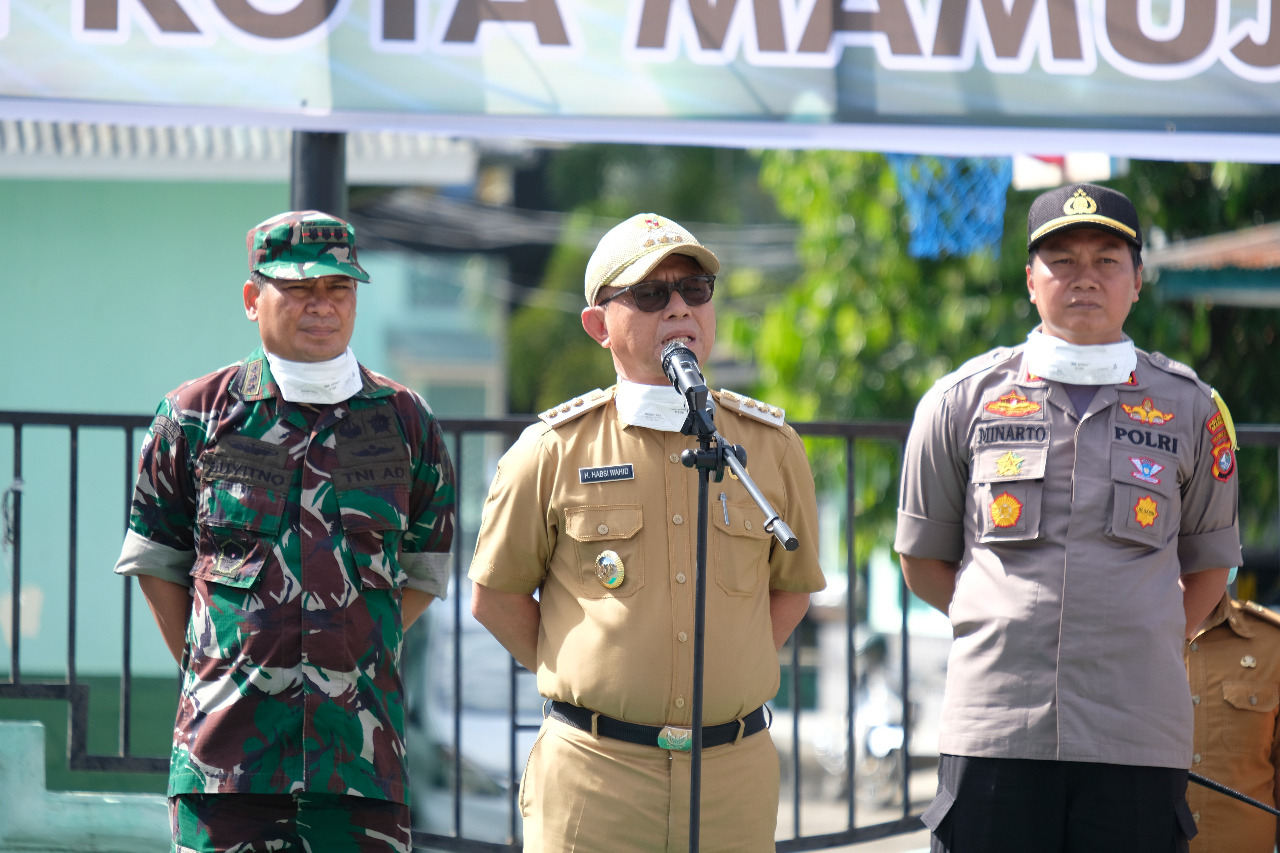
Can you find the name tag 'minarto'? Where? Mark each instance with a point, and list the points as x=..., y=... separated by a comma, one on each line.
x=606, y=473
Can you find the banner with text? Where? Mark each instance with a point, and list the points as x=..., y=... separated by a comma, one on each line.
x=1184, y=75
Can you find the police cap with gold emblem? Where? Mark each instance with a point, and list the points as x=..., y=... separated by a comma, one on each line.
x=1082, y=206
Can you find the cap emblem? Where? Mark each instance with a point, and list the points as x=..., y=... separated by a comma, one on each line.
x=1080, y=204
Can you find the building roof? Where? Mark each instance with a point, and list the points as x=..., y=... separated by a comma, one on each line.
x=82, y=150
x=1248, y=249
x=1239, y=268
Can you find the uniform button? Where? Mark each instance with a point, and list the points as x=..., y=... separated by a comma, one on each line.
x=680, y=702
x=677, y=519
x=1253, y=700
x=602, y=529
x=675, y=458
x=1195, y=700
x=748, y=523
x=1195, y=759
x=1194, y=646
x=1196, y=817
x=679, y=577
x=682, y=636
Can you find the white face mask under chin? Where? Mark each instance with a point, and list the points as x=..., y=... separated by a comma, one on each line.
x=319, y=382
x=657, y=407
x=1075, y=364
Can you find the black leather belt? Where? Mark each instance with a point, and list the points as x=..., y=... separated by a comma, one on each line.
x=667, y=737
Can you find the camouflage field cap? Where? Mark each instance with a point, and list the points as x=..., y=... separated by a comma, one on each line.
x=631, y=249
x=304, y=244
x=1082, y=206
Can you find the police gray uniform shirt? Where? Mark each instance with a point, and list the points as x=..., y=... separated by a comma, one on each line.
x=1070, y=533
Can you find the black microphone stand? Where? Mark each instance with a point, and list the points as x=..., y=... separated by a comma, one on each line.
x=712, y=455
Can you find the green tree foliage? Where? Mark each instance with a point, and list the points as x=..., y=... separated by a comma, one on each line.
x=866, y=328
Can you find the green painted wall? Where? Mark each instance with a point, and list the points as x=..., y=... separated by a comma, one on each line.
x=115, y=292
x=111, y=294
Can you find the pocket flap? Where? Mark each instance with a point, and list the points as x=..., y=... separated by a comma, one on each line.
x=592, y=524
x=1248, y=696
x=1005, y=463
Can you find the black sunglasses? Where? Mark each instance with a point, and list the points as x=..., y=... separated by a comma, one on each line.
x=651, y=296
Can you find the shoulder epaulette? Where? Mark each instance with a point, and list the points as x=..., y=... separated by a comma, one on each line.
x=1266, y=614
x=977, y=364
x=1161, y=361
x=751, y=408
x=567, y=411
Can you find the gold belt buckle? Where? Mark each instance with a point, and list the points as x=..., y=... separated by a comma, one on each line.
x=676, y=738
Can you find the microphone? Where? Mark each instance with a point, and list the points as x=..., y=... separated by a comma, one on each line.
x=681, y=367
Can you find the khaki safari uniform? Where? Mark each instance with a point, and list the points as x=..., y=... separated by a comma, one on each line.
x=579, y=494
x=1233, y=666
x=296, y=528
x=1070, y=532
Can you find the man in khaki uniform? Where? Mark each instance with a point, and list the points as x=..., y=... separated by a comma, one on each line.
x=1233, y=665
x=593, y=510
x=1070, y=503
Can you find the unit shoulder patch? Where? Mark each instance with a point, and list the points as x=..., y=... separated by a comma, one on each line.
x=736, y=402
x=570, y=409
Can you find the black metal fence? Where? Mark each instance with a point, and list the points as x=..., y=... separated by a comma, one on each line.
x=475, y=445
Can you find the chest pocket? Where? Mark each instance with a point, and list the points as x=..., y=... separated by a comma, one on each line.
x=1147, y=503
x=1251, y=709
x=1008, y=484
x=372, y=486
x=603, y=538
x=240, y=507
x=739, y=548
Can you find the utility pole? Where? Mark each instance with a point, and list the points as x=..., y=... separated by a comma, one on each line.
x=318, y=175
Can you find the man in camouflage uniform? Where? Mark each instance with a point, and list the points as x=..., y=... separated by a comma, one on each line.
x=293, y=515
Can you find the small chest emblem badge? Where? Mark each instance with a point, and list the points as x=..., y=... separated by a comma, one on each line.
x=609, y=569
x=1009, y=465
x=1012, y=405
x=1146, y=469
x=1005, y=510
x=1146, y=511
x=1147, y=413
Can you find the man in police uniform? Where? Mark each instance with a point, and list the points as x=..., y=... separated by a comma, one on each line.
x=1071, y=504
x=293, y=514
x=593, y=510
x=1233, y=665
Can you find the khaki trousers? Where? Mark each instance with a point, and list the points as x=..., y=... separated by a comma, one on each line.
x=587, y=794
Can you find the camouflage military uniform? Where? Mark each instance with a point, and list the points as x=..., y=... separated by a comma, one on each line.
x=296, y=526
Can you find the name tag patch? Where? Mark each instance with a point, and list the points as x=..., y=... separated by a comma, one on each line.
x=607, y=473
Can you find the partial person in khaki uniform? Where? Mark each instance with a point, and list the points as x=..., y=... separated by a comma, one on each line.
x=592, y=510
x=1233, y=666
x=1070, y=503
